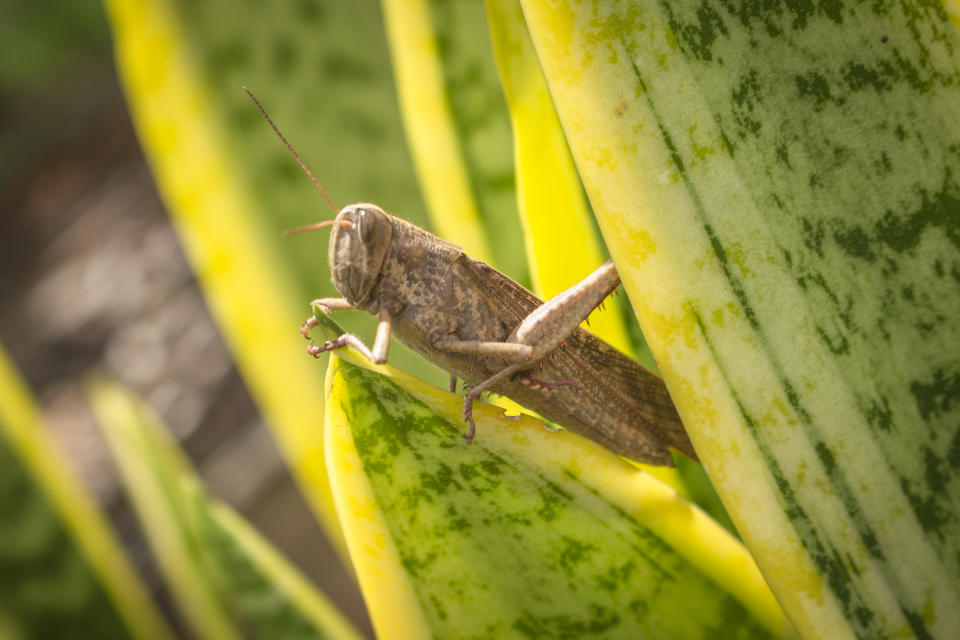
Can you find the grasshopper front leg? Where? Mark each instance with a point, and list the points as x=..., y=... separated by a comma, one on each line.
x=326, y=305
x=540, y=332
x=381, y=343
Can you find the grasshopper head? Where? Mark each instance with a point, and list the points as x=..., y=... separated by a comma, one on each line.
x=358, y=250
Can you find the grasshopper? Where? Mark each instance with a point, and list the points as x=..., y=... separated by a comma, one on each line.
x=486, y=329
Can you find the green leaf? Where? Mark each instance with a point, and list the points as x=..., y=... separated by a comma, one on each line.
x=778, y=185
x=63, y=572
x=563, y=245
x=457, y=126
x=322, y=71
x=220, y=571
x=259, y=584
x=152, y=468
x=561, y=239
x=526, y=532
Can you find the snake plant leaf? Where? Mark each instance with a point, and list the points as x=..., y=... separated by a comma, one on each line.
x=260, y=585
x=152, y=469
x=63, y=572
x=231, y=186
x=563, y=245
x=562, y=242
x=779, y=185
x=457, y=126
x=526, y=532
x=458, y=130
x=224, y=576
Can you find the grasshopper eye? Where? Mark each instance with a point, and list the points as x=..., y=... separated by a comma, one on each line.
x=367, y=227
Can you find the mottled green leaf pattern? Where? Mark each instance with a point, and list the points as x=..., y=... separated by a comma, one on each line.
x=496, y=547
x=864, y=196
x=791, y=245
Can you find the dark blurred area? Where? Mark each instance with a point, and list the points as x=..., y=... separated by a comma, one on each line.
x=92, y=279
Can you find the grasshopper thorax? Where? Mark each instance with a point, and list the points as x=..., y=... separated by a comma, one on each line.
x=359, y=244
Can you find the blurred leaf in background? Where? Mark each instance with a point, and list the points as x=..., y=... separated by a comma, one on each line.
x=322, y=71
x=232, y=187
x=457, y=127
x=63, y=573
x=224, y=576
x=82, y=228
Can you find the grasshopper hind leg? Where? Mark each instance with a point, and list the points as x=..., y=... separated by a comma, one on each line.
x=475, y=392
x=468, y=417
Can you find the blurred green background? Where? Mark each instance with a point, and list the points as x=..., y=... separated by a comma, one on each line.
x=92, y=277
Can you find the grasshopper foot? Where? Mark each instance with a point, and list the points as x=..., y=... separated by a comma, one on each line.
x=315, y=350
x=468, y=417
x=308, y=324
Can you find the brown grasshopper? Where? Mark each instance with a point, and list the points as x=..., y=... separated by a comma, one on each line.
x=489, y=331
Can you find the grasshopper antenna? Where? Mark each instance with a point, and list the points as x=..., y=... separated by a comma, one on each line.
x=318, y=225
x=302, y=164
